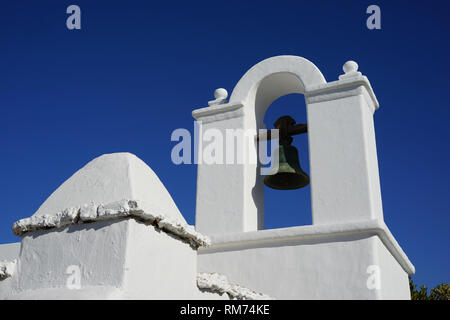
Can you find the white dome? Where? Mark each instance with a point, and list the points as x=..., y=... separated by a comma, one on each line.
x=108, y=178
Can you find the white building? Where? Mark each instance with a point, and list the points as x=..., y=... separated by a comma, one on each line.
x=112, y=231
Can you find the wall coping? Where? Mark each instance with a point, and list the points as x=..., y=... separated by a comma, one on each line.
x=310, y=232
x=324, y=91
x=140, y=210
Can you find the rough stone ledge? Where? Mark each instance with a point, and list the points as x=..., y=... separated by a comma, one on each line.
x=218, y=283
x=118, y=209
x=7, y=269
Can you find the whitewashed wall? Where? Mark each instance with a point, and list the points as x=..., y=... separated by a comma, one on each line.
x=330, y=259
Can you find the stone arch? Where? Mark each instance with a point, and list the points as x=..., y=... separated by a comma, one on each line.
x=271, y=79
x=260, y=86
x=341, y=142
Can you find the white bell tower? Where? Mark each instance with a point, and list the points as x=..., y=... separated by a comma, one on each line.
x=348, y=251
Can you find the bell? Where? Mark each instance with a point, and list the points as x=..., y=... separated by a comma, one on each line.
x=289, y=175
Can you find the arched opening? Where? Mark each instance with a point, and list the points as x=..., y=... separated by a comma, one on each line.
x=287, y=208
x=241, y=209
x=278, y=81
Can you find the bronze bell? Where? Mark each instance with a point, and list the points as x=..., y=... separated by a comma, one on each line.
x=289, y=174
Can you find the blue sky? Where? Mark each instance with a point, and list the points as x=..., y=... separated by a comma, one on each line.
x=137, y=69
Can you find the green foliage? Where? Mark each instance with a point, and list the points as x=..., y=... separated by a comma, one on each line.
x=441, y=292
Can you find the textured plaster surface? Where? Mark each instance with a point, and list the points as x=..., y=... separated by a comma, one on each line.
x=7, y=268
x=314, y=269
x=118, y=209
x=215, y=282
x=157, y=266
x=322, y=262
x=323, y=232
x=117, y=259
x=9, y=251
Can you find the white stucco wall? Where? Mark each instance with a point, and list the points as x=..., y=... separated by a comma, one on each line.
x=343, y=160
x=159, y=266
x=9, y=251
x=312, y=262
x=394, y=280
x=118, y=259
x=124, y=249
x=98, y=250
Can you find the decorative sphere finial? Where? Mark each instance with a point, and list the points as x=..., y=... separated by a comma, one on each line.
x=350, y=70
x=350, y=66
x=220, y=93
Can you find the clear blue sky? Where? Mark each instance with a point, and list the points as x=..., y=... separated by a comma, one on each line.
x=137, y=69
